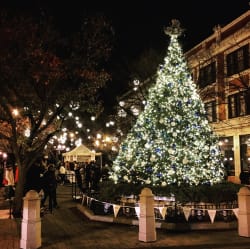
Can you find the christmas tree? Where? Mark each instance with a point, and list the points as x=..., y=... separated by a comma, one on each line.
x=171, y=141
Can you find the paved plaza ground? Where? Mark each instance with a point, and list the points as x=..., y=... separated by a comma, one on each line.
x=68, y=228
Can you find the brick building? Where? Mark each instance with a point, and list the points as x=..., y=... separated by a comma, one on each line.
x=220, y=66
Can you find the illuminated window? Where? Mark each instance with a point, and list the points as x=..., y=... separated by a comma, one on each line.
x=207, y=75
x=227, y=150
x=245, y=152
x=239, y=104
x=238, y=60
x=211, y=111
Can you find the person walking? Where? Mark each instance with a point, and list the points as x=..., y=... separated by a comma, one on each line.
x=49, y=188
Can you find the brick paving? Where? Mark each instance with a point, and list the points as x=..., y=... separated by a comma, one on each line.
x=68, y=228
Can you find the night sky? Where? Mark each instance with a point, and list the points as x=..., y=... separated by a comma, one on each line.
x=139, y=24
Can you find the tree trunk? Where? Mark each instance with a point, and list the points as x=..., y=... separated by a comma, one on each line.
x=19, y=193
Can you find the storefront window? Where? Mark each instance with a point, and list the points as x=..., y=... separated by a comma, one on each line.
x=227, y=150
x=245, y=152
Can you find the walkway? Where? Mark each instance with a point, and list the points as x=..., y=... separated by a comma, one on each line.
x=68, y=228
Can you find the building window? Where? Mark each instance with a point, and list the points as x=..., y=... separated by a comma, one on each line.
x=207, y=75
x=227, y=150
x=211, y=111
x=238, y=60
x=245, y=152
x=239, y=104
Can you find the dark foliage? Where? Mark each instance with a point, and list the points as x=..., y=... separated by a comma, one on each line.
x=223, y=192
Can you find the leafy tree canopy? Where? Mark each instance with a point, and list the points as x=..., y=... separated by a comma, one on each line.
x=45, y=74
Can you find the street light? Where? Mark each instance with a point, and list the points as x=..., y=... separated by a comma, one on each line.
x=3, y=157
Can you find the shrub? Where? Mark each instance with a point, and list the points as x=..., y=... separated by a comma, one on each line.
x=222, y=192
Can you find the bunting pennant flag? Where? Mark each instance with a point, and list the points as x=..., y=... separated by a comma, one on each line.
x=116, y=209
x=163, y=211
x=211, y=213
x=88, y=199
x=236, y=212
x=106, y=207
x=187, y=212
x=137, y=211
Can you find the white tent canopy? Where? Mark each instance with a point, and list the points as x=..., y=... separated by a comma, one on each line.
x=80, y=154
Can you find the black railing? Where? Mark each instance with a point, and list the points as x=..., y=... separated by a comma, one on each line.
x=174, y=212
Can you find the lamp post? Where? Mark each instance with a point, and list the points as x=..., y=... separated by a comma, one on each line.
x=3, y=159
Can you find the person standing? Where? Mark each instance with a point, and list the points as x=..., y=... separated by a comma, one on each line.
x=244, y=177
x=78, y=176
x=96, y=176
x=87, y=176
x=9, y=182
x=34, y=177
x=49, y=188
x=62, y=173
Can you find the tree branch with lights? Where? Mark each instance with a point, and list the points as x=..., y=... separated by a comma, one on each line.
x=44, y=74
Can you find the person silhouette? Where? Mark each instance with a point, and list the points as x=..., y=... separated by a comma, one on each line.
x=49, y=188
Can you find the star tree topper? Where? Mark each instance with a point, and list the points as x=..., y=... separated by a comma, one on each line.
x=175, y=28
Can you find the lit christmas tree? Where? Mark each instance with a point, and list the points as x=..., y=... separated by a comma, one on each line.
x=171, y=141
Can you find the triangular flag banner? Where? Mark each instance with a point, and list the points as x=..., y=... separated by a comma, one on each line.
x=137, y=210
x=211, y=214
x=88, y=199
x=163, y=211
x=116, y=209
x=236, y=212
x=187, y=212
x=106, y=207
